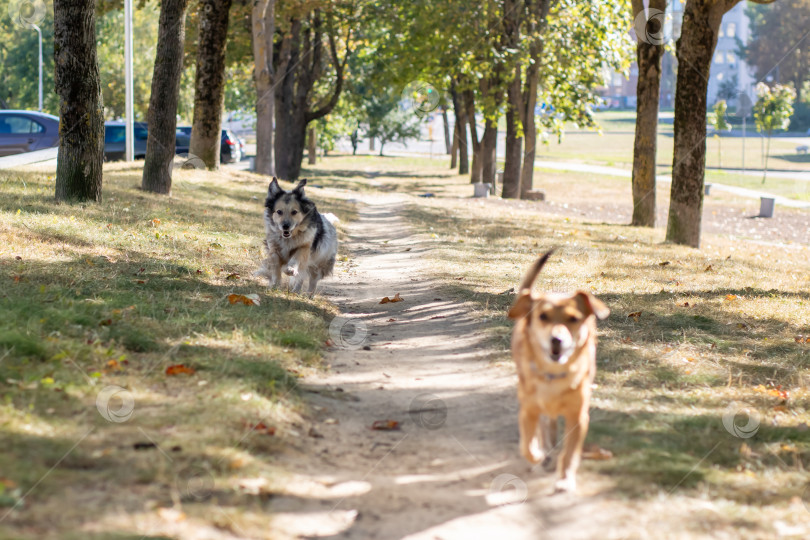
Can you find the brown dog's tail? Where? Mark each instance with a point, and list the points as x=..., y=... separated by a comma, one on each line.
x=532, y=274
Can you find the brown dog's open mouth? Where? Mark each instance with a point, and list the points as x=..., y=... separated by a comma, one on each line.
x=286, y=234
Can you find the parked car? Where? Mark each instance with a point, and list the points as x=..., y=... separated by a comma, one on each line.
x=26, y=131
x=231, y=148
x=115, y=137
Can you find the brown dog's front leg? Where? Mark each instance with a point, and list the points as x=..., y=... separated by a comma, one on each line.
x=576, y=428
x=529, y=443
x=548, y=434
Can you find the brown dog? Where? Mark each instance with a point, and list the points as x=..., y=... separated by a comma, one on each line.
x=554, y=348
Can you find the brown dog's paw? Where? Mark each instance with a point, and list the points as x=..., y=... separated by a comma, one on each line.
x=550, y=463
x=565, y=485
x=532, y=452
x=291, y=271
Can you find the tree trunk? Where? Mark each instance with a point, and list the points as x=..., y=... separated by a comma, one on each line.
x=514, y=103
x=529, y=130
x=162, y=115
x=461, y=132
x=476, y=172
x=264, y=29
x=313, y=147
x=695, y=49
x=537, y=22
x=454, y=147
x=644, y=149
x=446, y=123
x=489, y=164
x=81, y=112
x=371, y=144
x=514, y=144
x=209, y=88
x=300, y=66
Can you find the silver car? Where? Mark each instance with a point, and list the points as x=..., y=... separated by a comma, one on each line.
x=26, y=131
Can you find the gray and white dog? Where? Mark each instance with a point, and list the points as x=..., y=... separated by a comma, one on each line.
x=300, y=241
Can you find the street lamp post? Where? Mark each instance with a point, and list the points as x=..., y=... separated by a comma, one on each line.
x=129, y=139
x=39, y=32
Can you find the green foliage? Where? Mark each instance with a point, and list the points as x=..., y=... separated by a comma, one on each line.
x=19, y=75
x=717, y=118
x=773, y=27
x=773, y=109
x=800, y=121
x=110, y=50
x=394, y=125
x=341, y=122
x=582, y=41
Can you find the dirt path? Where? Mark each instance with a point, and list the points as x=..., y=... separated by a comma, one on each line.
x=452, y=470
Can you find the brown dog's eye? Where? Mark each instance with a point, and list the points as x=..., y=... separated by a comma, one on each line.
x=294, y=212
x=543, y=317
x=572, y=318
x=279, y=212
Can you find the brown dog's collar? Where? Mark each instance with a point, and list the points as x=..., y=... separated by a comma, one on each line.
x=547, y=376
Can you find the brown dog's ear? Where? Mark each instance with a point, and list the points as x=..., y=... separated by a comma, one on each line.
x=593, y=306
x=522, y=305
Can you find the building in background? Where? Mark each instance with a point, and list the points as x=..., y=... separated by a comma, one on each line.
x=729, y=77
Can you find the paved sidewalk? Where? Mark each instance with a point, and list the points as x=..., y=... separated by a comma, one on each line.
x=626, y=173
x=19, y=160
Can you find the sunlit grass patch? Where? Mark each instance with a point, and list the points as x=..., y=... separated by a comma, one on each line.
x=698, y=342
x=112, y=295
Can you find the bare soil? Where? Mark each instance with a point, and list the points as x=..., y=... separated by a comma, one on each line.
x=450, y=468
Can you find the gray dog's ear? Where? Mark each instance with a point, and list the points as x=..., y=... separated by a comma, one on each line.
x=592, y=305
x=522, y=305
x=274, y=188
x=300, y=187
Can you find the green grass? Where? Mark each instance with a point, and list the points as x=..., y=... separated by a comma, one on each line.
x=667, y=378
x=112, y=294
x=613, y=145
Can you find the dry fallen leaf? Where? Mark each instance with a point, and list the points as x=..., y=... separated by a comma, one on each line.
x=385, y=425
x=247, y=299
x=596, y=453
x=155, y=222
x=396, y=298
x=708, y=268
x=635, y=315
x=730, y=297
x=232, y=277
x=664, y=263
x=264, y=429
x=180, y=369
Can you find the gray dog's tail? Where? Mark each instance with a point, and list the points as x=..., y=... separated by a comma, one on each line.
x=528, y=281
